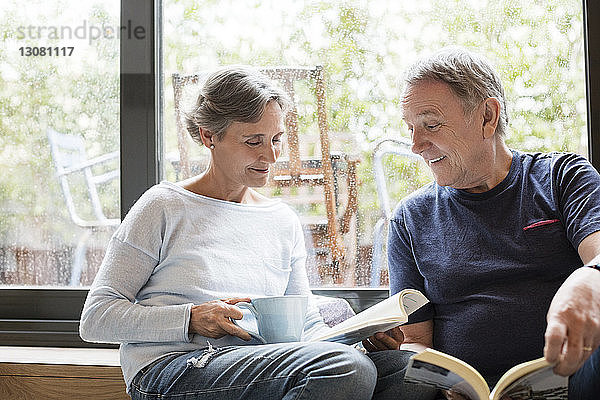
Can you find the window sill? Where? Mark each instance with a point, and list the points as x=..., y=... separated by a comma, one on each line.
x=60, y=373
x=56, y=355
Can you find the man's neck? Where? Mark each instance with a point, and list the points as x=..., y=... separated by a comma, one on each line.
x=498, y=167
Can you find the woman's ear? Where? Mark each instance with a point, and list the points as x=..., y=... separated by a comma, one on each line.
x=491, y=116
x=206, y=137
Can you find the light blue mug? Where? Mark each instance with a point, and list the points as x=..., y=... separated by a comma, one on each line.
x=279, y=318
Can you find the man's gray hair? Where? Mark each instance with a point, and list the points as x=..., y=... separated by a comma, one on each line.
x=232, y=94
x=470, y=77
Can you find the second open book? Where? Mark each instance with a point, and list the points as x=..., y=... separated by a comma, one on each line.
x=529, y=380
x=385, y=315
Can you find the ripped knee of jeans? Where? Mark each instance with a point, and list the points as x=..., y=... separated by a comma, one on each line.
x=201, y=361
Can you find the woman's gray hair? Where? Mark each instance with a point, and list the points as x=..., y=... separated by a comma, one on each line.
x=232, y=94
x=470, y=77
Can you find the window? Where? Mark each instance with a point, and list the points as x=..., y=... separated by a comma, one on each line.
x=362, y=47
x=59, y=152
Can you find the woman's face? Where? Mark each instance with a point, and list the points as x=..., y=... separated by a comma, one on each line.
x=247, y=151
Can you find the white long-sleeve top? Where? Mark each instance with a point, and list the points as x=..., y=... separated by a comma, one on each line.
x=175, y=249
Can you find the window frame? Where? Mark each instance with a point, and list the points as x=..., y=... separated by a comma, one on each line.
x=50, y=316
x=591, y=41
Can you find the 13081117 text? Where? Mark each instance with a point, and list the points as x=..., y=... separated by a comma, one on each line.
x=46, y=51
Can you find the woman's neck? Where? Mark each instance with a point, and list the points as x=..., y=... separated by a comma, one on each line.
x=207, y=184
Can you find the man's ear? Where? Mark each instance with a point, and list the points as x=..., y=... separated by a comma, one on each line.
x=205, y=136
x=491, y=116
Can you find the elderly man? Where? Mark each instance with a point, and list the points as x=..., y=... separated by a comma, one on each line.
x=505, y=244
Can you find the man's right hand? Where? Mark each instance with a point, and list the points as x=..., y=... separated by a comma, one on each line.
x=213, y=319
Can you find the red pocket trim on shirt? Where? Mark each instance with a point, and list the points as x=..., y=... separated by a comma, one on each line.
x=541, y=223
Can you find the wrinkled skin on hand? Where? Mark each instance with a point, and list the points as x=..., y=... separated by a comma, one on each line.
x=390, y=340
x=213, y=319
x=574, y=321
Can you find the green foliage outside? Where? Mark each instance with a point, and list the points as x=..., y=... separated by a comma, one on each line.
x=75, y=95
x=537, y=47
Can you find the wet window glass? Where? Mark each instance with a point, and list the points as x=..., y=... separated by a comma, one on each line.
x=59, y=139
x=355, y=53
x=341, y=60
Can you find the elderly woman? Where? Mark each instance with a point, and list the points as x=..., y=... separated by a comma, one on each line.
x=187, y=252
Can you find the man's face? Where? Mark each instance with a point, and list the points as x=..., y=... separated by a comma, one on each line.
x=452, y=144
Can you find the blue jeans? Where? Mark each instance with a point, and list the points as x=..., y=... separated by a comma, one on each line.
x=585, y=383
x=315, y=371
x=391, y=366
x=303, y=371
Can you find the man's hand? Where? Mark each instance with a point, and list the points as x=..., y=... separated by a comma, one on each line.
x=390, y=340
x=213, y=319
x=452, y=395
x=573, y=331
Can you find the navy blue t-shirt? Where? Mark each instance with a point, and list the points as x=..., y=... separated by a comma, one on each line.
x=491, y=262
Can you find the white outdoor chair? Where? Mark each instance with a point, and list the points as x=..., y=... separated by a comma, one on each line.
x=397, y=147
x=69, y=155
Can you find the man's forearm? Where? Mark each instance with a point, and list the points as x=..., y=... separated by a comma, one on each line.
x=417, y=337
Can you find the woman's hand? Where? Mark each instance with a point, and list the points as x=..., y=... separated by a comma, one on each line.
x=390, y=340
x=213, y=319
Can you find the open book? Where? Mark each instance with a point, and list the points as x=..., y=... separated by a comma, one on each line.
x=386, y=314
x=529, y=380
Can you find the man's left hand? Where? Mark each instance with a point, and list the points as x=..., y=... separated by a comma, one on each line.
x=573, y=331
